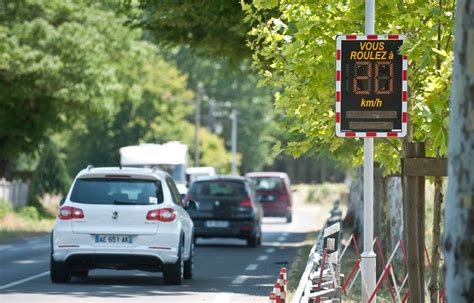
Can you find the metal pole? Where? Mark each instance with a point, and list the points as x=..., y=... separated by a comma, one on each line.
x=368, y=257
x=233, y=117
x=197, y=125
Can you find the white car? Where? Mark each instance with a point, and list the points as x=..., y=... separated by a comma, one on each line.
x=123, y=218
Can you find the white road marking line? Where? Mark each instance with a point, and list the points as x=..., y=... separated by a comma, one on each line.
x=252, y=267
x=262, y=258
x=270, y=250
x=281, y=239
x=5, y=286
x=25, y=262
x=223, y=298
x=239, y=280
x=285, y=234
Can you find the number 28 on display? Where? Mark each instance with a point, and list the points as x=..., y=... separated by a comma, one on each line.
x=366, y=74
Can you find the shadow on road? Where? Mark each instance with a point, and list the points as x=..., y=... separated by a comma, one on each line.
x=218, y=263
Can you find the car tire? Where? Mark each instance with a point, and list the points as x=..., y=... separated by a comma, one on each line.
x=173, y=273
x=189, y=264
x=252, y=241
x=289, y=218
x=259, y=239
x=83, y=273
x=59, y=272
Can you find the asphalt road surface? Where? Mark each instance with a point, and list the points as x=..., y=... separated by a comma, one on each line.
x=225, y=270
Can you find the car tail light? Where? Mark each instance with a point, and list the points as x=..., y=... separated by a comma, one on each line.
x=163, y=215
x=247, y=227
x=68, y=213
x=246, y=203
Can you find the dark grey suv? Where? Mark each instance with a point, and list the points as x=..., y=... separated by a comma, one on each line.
x=228, y=208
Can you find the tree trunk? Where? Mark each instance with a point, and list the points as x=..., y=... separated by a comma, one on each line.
x=420, y=153
x=387, y=219
x=356, y=198
x=459, y=212
x=3, y=168
x=438, y=200
x=410, y=208
x=395, y=201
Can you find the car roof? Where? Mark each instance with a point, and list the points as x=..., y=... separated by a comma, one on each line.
x=221, y=177
x=133, y=172
x=267, y=174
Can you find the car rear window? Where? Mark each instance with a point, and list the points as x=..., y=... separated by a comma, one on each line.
x=117, y=191
x=268, y=183
x=217, y=189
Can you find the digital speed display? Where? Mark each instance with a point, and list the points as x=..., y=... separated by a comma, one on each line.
x=370, y=86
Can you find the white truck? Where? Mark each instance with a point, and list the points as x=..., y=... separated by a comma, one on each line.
x=193, y=173
x=171, y=157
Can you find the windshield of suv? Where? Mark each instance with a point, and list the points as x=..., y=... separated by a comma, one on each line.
x=117, y=191
x=221, y=188
x=268, y=183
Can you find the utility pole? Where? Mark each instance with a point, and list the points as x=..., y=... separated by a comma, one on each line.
x=233, y=117
x=197, y=124
x=368, y=257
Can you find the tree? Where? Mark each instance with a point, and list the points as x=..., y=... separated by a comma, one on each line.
x=293, y=44
x=459, y=214
x=60, y=61
x=51, y=174
x=293, y=47
x=227, y=87
x=208, y=27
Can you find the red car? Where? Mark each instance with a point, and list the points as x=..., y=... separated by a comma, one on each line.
x=274, y=193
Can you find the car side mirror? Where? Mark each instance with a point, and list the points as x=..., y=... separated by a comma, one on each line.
x=62, y=201
x=191, y=205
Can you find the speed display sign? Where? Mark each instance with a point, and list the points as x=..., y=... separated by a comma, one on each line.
x=371, y=86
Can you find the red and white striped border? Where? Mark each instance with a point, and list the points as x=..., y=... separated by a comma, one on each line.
x=338, y=88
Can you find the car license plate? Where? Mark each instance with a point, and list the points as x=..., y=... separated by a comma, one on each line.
x=267, y=198
x=118, y=239
x=217, y=224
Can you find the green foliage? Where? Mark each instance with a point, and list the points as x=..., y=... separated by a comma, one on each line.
x=51, y=175
x=5, y=208
x=293, y=47
x=209, y=27
x=60, y=61
x=227, y=87
x=29, y=212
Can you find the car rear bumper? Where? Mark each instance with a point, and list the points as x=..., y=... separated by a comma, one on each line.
x=69, y=246
x=115, y=261
x=276, y=210
x=236, y=229
x=133, y=259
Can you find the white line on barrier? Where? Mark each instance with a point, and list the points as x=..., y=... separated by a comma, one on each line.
x=345, y=248
x=252, y=267
x=262, y=258
x=5, y=286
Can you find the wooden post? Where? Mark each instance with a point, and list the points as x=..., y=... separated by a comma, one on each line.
x=420, y=153
x=411, y=228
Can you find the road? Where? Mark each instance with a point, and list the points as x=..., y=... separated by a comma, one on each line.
x=225, y=271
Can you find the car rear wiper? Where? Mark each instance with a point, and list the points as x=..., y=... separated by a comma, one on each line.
x=124, y=202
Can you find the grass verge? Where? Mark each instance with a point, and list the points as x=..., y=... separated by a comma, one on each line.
x=23, y=222
x=299, y=264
